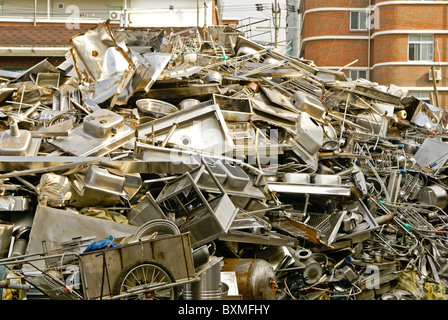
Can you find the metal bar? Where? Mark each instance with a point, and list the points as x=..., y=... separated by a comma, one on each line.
x=47, y=169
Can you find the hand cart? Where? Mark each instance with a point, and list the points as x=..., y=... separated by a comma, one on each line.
x=146, y=269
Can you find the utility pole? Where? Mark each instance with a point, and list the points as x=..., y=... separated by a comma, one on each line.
x=197, y=13
x=205, y=14
x=276, y=18
x=293, y=17
x=436, y=93
x=35, y=12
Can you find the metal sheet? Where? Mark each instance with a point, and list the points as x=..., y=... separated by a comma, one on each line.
x=199, y=128
x=67, y=225
x=308, y=189
x=80, y=143
x=432, y=154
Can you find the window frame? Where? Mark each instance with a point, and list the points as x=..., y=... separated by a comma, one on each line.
x=359, y=12
x=357, y=73
x=422, y=95
x=420, y=43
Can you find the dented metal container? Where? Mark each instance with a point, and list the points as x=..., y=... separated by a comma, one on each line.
x=309, y=104
x=104, y=180
x=18, y=142
x=255, y=277
x=103, y=124
x=309, y=133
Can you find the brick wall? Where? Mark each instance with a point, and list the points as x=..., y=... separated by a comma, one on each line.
x=311, y=4
x=337, y=52
x=410, y=76
x=413, y=17
x=23, y=63
x=385, y=47
x=323, y=23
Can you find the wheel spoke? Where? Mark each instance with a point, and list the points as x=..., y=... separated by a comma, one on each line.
x=148, y=274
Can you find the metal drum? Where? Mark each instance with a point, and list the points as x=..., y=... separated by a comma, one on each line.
x=255, y=277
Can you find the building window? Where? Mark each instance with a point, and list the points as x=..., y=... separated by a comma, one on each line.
x=358, y=74
x=358, y=20
x=421, y=47
x=421, y=95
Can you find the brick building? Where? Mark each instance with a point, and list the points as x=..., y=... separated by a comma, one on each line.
x=388, y=42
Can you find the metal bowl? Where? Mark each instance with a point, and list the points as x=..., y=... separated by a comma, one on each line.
x=187, y=103
x=155, y=108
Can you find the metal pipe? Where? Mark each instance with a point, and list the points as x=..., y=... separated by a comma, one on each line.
x=47, y=169
x=170, y=133
x=6, y=284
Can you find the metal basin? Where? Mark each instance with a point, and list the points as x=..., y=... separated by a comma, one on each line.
x=307, y=103
x=155, y=108
x=104, y=180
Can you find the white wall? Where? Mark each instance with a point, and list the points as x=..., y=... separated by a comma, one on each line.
x=89, y=9
x=158, y=14
x=142, y=13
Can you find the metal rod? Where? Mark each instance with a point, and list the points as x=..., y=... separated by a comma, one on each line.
x=170, y=133
x=47, y=169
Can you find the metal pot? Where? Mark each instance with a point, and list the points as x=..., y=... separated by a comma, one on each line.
x=213, y=77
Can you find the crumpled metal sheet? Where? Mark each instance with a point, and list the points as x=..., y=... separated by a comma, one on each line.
x=340, y=186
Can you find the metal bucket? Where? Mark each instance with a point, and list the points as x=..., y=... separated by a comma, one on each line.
x=208, y=287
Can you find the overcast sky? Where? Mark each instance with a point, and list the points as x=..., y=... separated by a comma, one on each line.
x=241, y=9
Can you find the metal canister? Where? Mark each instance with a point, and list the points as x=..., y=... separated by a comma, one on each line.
x=255, y=278
x=213, y=77
x=19, y=247
x=208, y=287
x=434, y=195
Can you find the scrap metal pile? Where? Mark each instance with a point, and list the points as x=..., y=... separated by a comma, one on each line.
x=290, y=181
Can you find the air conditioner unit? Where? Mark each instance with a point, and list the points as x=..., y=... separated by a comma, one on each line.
x=115, y=15
x=437, y=74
